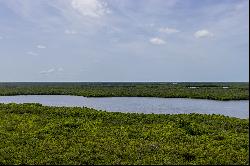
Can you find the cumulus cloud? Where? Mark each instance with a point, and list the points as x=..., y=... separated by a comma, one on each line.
x=32, y=53
x=157, y=41
x=70, y=32
x=203, y=34
x=90, y=8
x=47, y=71
x=168, y=30
x=41, y=46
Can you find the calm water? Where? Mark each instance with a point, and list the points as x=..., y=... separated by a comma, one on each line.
x=147, y=105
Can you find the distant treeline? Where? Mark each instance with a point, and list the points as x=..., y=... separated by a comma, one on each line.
x=203, y=90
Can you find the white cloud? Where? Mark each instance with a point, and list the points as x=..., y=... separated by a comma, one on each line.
x=90, y=8
x=168, y=30
x=41, y=46
x=52, y=70
x=203, y=34
x=1, y=37
x=47, y=71
x=60, y=69
x=70, y=32
x=32, y=53
x=157, y=41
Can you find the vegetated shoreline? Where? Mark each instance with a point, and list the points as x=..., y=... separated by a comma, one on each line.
x=36, y=134
x=199, y=98
x=212, y=91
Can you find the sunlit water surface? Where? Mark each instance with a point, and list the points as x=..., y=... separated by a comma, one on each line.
x=238, y=108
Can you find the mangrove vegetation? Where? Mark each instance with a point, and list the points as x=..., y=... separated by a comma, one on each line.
x=209, y=90
x=36, y=134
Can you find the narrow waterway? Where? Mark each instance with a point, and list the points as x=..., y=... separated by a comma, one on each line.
x=238, y=108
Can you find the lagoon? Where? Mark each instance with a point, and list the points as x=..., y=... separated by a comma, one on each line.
x=147, y=105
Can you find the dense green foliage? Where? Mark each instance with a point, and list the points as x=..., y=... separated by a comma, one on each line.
x=235, y=91
x=35, y=134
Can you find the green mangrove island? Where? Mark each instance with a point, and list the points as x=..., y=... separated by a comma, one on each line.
x=36, y=134
x=202, y=90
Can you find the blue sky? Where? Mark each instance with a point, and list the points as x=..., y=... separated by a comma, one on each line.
x=124, y=40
